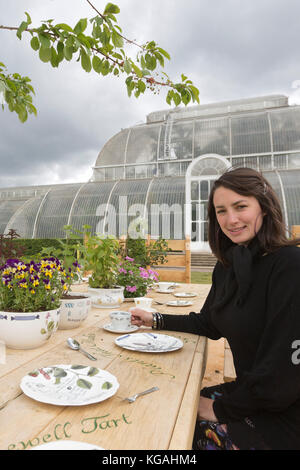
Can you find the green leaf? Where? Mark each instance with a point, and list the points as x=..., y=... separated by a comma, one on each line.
x=59, y=372
x=21, y=28
x=85, y=61
x=54, y=58
x=75, y=366
x=35, y=43
x=93, y=371
x=150, y=61
x=97, y=64
x=127, y=66
x=111, y=8
x=68, y=52
x=117, y=39
x=64, y=27
x=141, y=86
x=44, y=40
x=45, y=54
x=164, y=53
x=137, y=70
x=84, y=383
x=28, y=18
x=80, y=26
x=176, y=99
x=107, y=386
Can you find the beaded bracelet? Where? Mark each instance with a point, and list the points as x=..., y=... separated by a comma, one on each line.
x=158, y=321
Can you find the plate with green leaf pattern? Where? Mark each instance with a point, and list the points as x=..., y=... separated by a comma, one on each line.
x=69, y=385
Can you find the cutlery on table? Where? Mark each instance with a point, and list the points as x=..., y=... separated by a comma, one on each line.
x=73, y=344
x=134, y=397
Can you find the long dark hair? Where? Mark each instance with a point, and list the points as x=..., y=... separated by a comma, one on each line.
x=248, y=182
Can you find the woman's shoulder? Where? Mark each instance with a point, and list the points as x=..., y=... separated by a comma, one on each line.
x=286, y=255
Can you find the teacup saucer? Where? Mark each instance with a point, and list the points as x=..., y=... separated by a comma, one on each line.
x=109, y=327
x=165, y=291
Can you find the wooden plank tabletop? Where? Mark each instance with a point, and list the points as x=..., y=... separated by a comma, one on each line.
x=161, y=420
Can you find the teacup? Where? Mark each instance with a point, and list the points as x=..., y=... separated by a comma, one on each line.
x=120, y=320
x=165, y=285
x=143, y=302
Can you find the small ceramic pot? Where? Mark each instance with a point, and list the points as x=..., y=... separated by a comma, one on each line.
x=74, y=310
x=29, y=330
x=107, y=298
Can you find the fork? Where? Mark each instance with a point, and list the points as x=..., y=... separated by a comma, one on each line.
x=134, y=397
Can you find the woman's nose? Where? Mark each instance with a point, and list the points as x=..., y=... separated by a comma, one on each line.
x=232, y=217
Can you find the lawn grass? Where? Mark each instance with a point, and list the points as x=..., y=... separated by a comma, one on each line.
x=201, y=278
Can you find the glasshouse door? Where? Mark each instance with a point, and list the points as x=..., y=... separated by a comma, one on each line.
x=200, y=190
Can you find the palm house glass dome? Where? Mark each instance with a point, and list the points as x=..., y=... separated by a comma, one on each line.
x=158, y=174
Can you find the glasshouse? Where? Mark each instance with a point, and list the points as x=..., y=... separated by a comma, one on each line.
x=156, y=177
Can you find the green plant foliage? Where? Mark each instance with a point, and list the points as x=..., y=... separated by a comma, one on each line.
x=98, y=45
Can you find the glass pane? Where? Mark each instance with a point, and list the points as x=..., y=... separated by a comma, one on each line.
x=194, y=191
x=142, y=144
x=250, y=134
x=113, y=152
x=212, y=136
x=204, y=190
x=285, y=129
x=176, y=141
x=195, y=232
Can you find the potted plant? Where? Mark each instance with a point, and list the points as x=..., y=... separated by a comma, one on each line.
x=136, y=279
x=75, y=306
x=30, y=296
x=101, y=258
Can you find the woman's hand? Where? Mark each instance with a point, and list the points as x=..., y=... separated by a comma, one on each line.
x=205, y=410
x=140, y=317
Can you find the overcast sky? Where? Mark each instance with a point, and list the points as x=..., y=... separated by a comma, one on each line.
x=231, y=49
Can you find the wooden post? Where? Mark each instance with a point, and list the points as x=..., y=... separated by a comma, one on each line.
x=295, y=231
x=188, y=259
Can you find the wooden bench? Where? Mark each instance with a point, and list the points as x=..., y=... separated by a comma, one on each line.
x=178, y=265
x=229, y=369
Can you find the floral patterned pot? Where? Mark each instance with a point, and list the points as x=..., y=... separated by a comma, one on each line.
x=29, y=330
x=74, y=311
x=107, y=298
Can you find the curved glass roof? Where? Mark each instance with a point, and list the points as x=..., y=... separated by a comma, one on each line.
x=264, y=130
x=141, y=173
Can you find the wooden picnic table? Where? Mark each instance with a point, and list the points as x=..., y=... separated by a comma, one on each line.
x=161, y=420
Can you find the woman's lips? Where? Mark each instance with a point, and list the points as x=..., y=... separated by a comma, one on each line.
x=236, y=230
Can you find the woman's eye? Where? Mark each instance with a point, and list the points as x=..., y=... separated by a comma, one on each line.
x=241, y=207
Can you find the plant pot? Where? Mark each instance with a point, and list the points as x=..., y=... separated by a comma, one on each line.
x=74, y=310
x=106, y=298
x=27, y=330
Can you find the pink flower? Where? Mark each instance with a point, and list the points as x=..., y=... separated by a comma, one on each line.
x=128, y=258
x=131, y=288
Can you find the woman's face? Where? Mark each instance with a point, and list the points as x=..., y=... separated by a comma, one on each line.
x=240, y=217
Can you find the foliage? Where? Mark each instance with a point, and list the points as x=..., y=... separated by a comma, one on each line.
x=100, y=255
x=16, y=92
x=143, y=254
x=33, y=286
x=98, y=45
x=8, y=248
x=136, y=279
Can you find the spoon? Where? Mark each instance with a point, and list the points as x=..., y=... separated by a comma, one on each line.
x=73, y=344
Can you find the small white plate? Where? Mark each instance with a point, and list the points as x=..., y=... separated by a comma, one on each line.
x=149, y=342
x=67, y=445
x=167, y=291
x=69, y=385
x=109, y=327
x=185, y=294
x=179, y=303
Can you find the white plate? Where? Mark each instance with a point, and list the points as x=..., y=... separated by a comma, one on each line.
x=109, y=327
x=69, y=385
x=149, y=342
x=67, y=445
x=167, y=291
x=185, y=294
x=179, y=303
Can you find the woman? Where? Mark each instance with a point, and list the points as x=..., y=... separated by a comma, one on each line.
x=254, y=303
